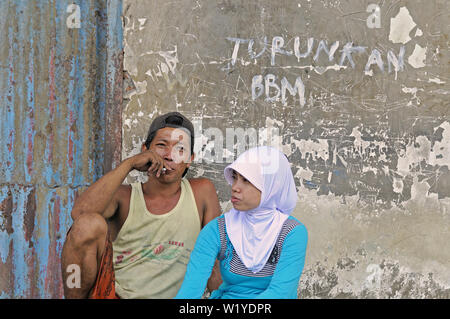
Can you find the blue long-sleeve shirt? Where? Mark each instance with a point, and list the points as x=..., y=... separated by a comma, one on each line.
x=278, y=279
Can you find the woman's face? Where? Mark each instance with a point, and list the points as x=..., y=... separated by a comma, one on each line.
x=244, y=196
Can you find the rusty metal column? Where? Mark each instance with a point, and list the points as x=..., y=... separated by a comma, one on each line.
x=60, y=123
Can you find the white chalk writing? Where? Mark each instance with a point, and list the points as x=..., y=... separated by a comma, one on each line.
x=273, y=88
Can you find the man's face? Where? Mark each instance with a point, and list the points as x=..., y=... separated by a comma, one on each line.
x=174, y=146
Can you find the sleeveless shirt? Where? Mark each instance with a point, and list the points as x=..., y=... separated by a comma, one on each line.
x=151, y=252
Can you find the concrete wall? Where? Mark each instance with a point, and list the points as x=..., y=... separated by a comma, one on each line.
x=60, y=128
x=356, y=93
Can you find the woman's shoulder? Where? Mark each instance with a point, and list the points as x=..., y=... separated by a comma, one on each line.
x=291, y=220
x=293, y=225
x=210, y=233
x=214, y=222
x=212, y=227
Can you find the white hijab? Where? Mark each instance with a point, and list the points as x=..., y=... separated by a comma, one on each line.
x=254, y=233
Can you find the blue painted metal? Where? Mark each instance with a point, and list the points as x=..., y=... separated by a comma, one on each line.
x=60, y=110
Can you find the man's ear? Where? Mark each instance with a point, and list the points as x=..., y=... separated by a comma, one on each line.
x=144, y=148
x=192, y=159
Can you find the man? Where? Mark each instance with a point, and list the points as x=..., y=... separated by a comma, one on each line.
x=152, y=226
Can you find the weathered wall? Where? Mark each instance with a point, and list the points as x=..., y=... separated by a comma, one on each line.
x=356, y=96
x=60, y=128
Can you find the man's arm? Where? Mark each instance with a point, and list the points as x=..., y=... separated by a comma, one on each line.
x=210, y=210
x=211, y=206
x=99, y=197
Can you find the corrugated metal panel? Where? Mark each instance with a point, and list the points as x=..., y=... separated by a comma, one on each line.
x=59, y=123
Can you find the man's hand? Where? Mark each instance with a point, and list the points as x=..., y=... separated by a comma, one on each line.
x=149, y=161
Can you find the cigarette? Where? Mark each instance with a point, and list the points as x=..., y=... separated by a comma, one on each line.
x=164, y=169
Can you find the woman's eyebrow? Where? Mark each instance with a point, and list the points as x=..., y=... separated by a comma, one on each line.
x=236, y=174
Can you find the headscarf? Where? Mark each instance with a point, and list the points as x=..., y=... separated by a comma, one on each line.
x=254, y=233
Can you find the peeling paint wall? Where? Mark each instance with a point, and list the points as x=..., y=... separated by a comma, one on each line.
x=357, y=93
x=60, y=129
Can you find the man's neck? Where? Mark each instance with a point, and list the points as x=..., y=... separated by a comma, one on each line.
x=154, y=188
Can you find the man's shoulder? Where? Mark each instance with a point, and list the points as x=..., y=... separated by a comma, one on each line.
x=206, y=197
x=201, y=185
x=123, y=192
x=125, y=188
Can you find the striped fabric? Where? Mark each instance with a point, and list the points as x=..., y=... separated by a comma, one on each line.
x=237, y=266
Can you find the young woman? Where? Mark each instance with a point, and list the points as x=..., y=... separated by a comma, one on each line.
x=261, y=248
